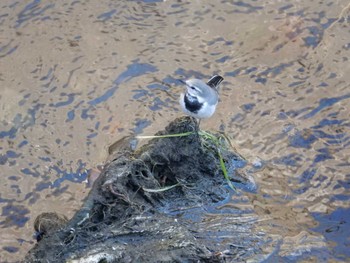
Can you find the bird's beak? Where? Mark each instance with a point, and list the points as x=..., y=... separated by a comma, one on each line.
x=182, y=81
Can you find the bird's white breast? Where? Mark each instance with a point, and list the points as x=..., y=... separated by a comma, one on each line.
x=205, y=112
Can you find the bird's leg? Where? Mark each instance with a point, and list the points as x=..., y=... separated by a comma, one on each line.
x=198, y=123
x=197, y=128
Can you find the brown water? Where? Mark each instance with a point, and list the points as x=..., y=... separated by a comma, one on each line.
x=75, y=76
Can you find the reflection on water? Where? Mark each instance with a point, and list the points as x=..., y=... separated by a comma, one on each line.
x=77, y=76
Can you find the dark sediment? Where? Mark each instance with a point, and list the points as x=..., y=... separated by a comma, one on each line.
x=124, y=218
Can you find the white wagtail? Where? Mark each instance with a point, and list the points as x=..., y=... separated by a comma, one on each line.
x=201, y=98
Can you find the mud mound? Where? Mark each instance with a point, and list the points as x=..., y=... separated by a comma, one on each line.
x=131, y=213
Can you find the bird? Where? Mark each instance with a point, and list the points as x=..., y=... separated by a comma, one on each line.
x=200, y=98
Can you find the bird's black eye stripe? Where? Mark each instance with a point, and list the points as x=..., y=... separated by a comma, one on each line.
x=192, y=87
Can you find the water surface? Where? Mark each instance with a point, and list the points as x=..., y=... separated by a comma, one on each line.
x=77, y=76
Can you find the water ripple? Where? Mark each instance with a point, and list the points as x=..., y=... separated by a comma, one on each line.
x=325, y=103
x=30, y=11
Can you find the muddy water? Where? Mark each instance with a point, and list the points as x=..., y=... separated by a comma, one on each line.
x=75, y=76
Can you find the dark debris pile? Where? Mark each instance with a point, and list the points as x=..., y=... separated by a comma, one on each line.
x=127, y=218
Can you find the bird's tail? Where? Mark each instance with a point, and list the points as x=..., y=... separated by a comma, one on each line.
x=215, y=81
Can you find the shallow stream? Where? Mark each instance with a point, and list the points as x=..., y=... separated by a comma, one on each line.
x=76, y=76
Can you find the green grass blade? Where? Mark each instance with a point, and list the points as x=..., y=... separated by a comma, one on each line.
x=224, y=171
x=165, y=136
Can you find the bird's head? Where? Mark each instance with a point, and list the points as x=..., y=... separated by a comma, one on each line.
x=196, y=88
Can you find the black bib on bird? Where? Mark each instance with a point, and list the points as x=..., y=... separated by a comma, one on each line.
x=192, y=104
